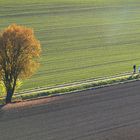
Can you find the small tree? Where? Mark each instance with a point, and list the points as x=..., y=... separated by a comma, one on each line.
x=19, y=50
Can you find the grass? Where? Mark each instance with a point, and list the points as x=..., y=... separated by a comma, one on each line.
x=66, y=2
x=73, y=88
x=80, y=40
x=80, y=87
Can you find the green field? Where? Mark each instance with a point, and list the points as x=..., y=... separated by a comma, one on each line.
x=81, y=39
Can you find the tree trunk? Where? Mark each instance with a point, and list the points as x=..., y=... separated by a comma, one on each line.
x=9, y=96
x=10, y=92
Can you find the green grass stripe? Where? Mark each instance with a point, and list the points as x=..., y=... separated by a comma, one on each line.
x=80, y=39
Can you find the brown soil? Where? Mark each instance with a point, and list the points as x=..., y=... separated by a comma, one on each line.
x=30, y=103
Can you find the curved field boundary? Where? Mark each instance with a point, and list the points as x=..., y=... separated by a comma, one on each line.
x=28, y=91
x=73, y=87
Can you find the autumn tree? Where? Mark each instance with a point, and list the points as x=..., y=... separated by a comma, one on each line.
x=19, y=53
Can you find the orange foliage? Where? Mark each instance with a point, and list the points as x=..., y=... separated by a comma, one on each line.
x=19, y=50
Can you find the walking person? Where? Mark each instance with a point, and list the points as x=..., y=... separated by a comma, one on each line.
x=134, y=68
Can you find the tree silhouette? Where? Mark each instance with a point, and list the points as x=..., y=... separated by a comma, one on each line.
x=19, y=53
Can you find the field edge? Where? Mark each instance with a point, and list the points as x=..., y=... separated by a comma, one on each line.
x=73, y=88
